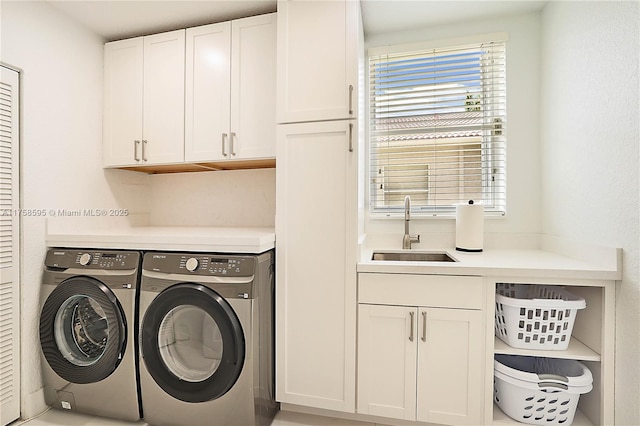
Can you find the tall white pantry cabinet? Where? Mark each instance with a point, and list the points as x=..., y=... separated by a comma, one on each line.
x=319, y=49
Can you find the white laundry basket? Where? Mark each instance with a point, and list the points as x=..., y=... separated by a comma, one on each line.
x=531, y=316
x=540, y=391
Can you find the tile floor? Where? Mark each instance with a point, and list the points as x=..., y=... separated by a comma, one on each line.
x=283, y=418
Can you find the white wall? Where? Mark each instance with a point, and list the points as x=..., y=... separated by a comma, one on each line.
x=590, y=153
x=222, y=198
x=523, y=156
x=61, y=147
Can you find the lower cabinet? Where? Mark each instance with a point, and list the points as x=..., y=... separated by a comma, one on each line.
x=420, y=363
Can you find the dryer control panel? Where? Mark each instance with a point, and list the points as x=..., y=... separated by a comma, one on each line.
x=200, y=264
x=92, y=259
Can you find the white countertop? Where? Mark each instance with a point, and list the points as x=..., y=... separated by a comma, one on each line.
x=179, y=238
x=546, y=262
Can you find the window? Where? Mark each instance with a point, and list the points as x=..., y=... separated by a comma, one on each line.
x=437, y=128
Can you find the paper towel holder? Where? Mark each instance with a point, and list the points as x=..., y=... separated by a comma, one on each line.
x=469, y=227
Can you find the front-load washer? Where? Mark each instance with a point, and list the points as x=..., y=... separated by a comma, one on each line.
x=88, y=331
x=207, y=339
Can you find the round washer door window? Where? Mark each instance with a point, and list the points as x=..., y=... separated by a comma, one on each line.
x=192, y=343
x=83, y=332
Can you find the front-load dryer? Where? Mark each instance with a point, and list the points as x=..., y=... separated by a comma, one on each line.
x=207, y=339
x=88, y=331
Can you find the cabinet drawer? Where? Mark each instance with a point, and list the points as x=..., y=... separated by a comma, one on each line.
x=444, y=291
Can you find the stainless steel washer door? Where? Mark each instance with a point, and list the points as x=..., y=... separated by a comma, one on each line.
x=193, y=344
x=83, y=331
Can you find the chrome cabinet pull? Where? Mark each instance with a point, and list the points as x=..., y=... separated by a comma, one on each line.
x=411, y=333
x=232, y=135
x=224, y=138
x=424, y=326
x=144, y=150
x=351, y=99
x=135, y=150
x=350, y=137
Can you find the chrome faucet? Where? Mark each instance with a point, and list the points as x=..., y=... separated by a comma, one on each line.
x=408, y=239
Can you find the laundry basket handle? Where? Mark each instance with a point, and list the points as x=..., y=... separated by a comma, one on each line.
x=553, y=385
x=547, y=376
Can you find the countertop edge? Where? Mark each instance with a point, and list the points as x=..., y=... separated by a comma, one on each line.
x=488, y=271
x=198, y=239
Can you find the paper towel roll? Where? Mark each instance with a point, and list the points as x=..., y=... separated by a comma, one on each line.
x=469, y=227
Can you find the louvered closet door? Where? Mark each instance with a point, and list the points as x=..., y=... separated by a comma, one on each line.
x=9, y=249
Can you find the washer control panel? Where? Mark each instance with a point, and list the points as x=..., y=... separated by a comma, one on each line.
x=92, y=259
x=223, y=265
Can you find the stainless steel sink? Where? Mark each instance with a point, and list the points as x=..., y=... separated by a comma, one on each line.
x=415, y=256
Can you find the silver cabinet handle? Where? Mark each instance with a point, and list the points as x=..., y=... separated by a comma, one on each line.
x=144, y=150
x=135, y=150
x=351, y=99
x=424, y=326
x=411, y=333
x=224, y=139
x=232, y=136
x=350, y=137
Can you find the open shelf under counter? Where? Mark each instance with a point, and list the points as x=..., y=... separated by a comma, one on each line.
x=576, y=350
x=500, y=418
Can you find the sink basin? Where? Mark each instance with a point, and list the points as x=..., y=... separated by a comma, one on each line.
x=416, y=256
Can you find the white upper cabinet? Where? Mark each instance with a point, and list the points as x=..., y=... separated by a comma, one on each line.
x=122, y=128
x=144, y=100
x=208, y=87
x=192, y=98
x=163, y=110
x=317, y=60
x=230, y=84
x=253, y=87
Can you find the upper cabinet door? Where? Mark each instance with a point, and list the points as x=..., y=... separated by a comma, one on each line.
x=253, y=87
x=317, y=60
x=208, y=92
x=163, y=109
x=122, y=128
x=230, y=83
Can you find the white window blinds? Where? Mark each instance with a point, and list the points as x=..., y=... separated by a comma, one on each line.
x=438, y=128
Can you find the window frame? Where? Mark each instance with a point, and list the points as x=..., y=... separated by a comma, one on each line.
x=436, y=211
